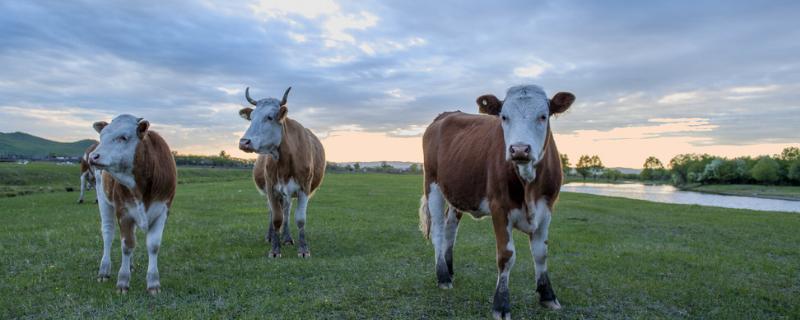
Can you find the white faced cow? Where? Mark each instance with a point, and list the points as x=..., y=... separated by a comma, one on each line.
x=503, y=164
x=137, y=186
x=291, y=163
x=88, y=180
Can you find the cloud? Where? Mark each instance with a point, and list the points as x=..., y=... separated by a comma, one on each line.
x=680, y=97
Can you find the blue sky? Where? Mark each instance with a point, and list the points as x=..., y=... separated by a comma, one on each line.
x=650, y=78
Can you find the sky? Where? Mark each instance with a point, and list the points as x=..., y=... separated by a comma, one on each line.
x=651, y=78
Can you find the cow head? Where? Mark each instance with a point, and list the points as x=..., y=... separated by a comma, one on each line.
x=525, y=116
x=266, y=124
x=118, y=142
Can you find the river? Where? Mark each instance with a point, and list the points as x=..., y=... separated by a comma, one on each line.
x=670, y=194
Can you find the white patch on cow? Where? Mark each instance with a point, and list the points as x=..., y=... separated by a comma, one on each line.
x=117, y=149
x=541, y=218
x=157, y=215
x=436, y=206
x=484, y=210
x=526, y=171
x=524, y=117
x=266, y=130
x=287, y=189
x=107, y=222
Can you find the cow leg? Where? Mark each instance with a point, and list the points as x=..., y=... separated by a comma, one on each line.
x=83, y=186
x=547, y=298
x=436, y=208
x=501, y=307
x=286, y=233
x=270, y=229
x=154, y=234
x=276, y=206
x=300, y=220
x=127, y=228
x=451, y=229
x=107, y=231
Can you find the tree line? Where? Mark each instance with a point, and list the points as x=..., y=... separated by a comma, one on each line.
x=779, y=169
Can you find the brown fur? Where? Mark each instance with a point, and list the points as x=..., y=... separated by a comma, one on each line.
x=301, y=157
x=85, y=164
x=156, y=180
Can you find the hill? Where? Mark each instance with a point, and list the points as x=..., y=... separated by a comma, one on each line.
x=26, y=145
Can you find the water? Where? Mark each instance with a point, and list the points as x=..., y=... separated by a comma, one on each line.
x=670, y=194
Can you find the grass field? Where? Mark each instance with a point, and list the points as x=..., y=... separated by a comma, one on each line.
x=609, y=258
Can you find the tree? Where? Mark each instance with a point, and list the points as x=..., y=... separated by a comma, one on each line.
x=413, y=168
x=766, y=170
x=584, y=166
x=653, y=169
x=794, y=171
x=790, y=154
x=224, y=155
x=565, y=163
x=596, y=166
x=357, y=167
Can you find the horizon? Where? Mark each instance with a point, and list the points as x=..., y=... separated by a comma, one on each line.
x=651, y=79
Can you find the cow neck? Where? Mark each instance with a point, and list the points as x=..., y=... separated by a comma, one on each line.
x=284, y=153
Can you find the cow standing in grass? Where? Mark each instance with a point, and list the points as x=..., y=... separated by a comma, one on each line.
x=291, y=163
x=88, y=180
x=137, y=186
x=503, y=164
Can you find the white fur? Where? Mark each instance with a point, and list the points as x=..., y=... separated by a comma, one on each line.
x=107, y=221
x=157, y=214
x=287, y=189
x=117, y=148
x=266, y=130
x=522, y=109
x=436, y=206
x=541, y=219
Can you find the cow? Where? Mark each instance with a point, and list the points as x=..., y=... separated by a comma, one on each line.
x=87, y=173
x=291, y=163
x=503, y=164
x=137, y=185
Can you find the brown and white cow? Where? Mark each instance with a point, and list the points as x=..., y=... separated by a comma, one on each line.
x=291, y=163
x=88, y=180
x=138, y=183
x=503, y=164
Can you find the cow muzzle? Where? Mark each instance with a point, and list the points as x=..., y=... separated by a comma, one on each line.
x=94, y=160
x=246, y=145
x=520, y=153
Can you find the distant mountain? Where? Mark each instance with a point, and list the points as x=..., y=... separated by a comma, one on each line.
x=373, y=164
x=26, y=145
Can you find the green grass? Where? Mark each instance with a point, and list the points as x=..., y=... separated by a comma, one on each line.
x=751, y=190
x=609, y=258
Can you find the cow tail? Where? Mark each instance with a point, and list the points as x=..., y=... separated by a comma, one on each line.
x=424, y=217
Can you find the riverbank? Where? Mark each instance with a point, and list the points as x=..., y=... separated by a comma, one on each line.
x=791, y=193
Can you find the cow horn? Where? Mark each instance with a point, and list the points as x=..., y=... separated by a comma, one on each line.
x=285, y=95
x=247, y=95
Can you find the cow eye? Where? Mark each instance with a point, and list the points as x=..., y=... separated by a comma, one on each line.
x=269, y=118
x=543, y=117
x=122, y=139
x=504, y=118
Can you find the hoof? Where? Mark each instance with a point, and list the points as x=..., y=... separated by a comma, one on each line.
x=154, y=291
x=288, y=241
x=103, y=278
x=552, y=305
x=95, y=200
x=448, y=285
x=273, y=255
x=304, y=255
x=122, y=290
x=499, y=315
x=80, y=201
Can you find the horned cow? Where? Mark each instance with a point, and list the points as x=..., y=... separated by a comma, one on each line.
x=502, y=164
x=291, y=163
x=137, y=186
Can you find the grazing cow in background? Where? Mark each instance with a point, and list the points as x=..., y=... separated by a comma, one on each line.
x=87, y=173
x=503, y=164
x=137, y=185
x=291, y=163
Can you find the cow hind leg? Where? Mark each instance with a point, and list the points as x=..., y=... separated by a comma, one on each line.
x=300, y=220
x=270, y=228
x=451, y=229
x=547, y=297
x=276, y=205
x=154, y=234
x=506, y=256
x=286, y=233
x=436, y=207
x=127, y=228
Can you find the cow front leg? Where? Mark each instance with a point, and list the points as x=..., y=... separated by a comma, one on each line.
x=83, y=186
x=286, y=234
x=128, y=238
x=154, y=234
x=300, y=220
x=107, y=230
x=506, y=256
x=276, y=209
x=451, y=229
x=436, y=207
x=547, y=297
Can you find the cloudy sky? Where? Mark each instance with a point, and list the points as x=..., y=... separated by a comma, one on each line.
x=650, y=78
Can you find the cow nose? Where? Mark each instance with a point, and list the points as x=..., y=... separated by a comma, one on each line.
x=95, y=156
x=245, y=144
x=520, y=152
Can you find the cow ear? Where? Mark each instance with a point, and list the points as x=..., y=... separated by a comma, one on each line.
x=282, y=113
x=99, y=125
x=245, y=113
x=142, y=127
x=561, y=102
x=489, y=104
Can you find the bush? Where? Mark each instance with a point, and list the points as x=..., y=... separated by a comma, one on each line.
x=766, y=170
